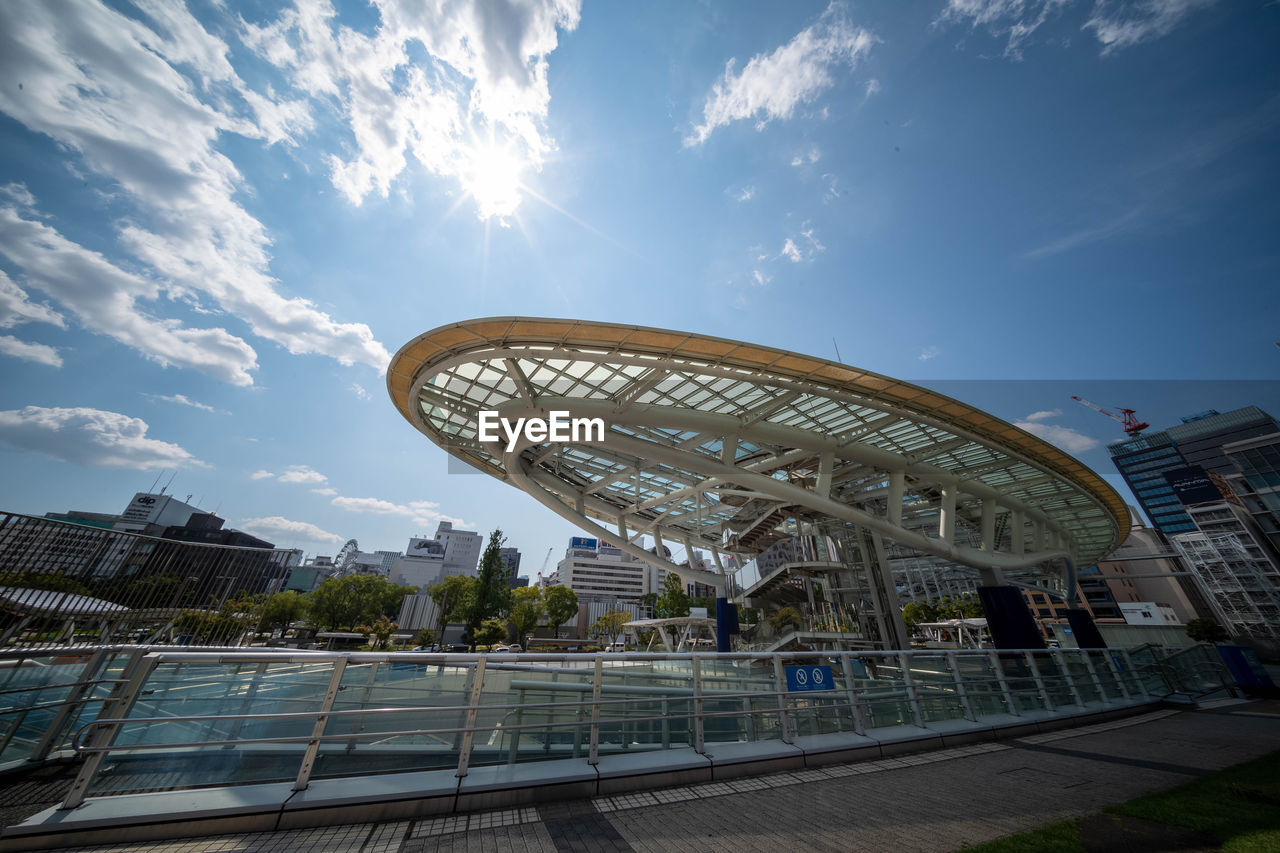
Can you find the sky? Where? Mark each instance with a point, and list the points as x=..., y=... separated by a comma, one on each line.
x=218, y=221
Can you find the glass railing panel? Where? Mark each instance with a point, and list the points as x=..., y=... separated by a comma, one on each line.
x=211, y=724
x=981, y=683
x=823, y=711
x=1054, y=676
x=1111, y=688
x=424, y=736
x=1075, y=666
x=31, y=690
x=935, y=688
x=535, y=711
x=1021, y=680
x=883, y=690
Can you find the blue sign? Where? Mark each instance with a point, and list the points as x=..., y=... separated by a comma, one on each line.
x=582, y=542
x=809, y=678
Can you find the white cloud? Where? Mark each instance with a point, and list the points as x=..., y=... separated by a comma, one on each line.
x=90, y=437
x=812, y=156
x=261, y=474
x=1064, y=437
x=328, y=491
x=105, y=299
x=771, y=86
x=420, y=512
x=16, y=308
x=760, y=277
x=28, y=351
x=301, y=474
x=275, y=525
x=108, y=88
x=805, y=251
x=1014, y=20
x=184, y=400
x=1115, y=24
x=745, y=194
x=1043, y=415
x=486, y=80
x=873, y=87
x=1135, y=22
x=359, y=391
x=930, y=352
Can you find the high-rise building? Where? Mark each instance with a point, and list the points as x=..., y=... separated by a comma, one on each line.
x=1202, y=440
x=511, y=563
x=461, y=549
x=594, y=568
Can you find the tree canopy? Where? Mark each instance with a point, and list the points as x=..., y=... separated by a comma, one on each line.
x=492, y=590
x=526, y=610
x=562, y=604
x=674, y=601
x=354, y=600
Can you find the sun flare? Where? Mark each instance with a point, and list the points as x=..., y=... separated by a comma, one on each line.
x=492, y=178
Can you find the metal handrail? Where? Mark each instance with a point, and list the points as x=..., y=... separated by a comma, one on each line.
x=919, y=687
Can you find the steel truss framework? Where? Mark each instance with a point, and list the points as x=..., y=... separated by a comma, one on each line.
x=726, y=446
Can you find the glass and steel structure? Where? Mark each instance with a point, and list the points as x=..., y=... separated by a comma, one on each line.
x=730, y=447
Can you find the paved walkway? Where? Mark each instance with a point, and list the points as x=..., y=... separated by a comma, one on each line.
x=931, y=802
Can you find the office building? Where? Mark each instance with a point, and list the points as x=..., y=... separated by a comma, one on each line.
x=1203, y=440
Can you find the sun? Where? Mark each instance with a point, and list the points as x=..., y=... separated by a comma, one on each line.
x=492, y=178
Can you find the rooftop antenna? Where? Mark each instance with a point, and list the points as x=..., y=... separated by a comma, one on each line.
x=156, y=483
x=170, y=483
x=837, y=346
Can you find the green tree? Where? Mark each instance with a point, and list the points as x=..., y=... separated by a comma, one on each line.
x=493, y=587
x=916, y=612
x=650, y=601
x=1204, y=630
x=562, y=605
x=424, y=637
x=490, y=631
x=526, y=610
x=382, y=631
x=354, y=600
x=281, y=611
x=674, y=601
x=454, y=596
x=783, y=618
x=611, y=625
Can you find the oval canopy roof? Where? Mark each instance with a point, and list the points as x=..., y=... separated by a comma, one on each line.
x=714, y=443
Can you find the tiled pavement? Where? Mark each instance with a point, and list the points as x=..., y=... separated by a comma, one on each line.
x=931, y=801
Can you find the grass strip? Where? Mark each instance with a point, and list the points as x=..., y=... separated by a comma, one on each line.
x=1238, y=806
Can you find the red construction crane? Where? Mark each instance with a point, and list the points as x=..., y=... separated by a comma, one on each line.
x=1132, y=426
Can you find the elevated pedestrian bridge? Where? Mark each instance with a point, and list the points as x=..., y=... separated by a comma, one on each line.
x=172, y=742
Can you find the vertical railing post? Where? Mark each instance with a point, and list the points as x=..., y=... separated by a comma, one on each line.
x=699, y=732
x=855, y=700
x=317, y=729
x=966, y=703
x=75, y=698
x=913, y=696
x=514, y=749
x=1137, y=677
x=593, y=752
x=780, y=686
x=1108, y=656
x=1009, y=699
x=115, y=708
x=1065, y=668
x=1093, y=674
x=469, y=726
x=1040, y=685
